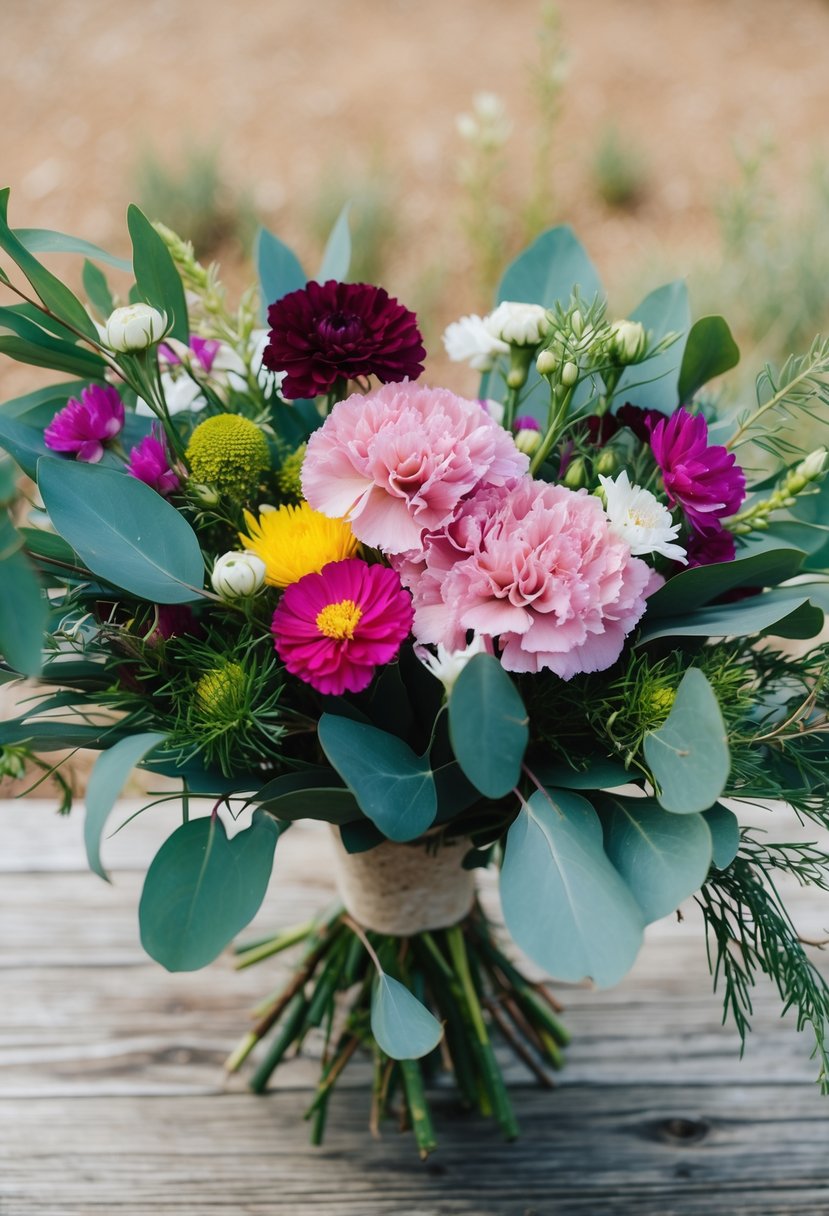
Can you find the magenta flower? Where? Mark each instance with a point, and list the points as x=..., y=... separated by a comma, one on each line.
x=204, y=351
x=330, y=332
x=334, y=628
x=704, y=479
x=535, y=567
x=84, y=426
x=398, y=461
x=149, y=461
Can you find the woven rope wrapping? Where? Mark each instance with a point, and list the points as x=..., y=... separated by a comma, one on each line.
x=404, y=889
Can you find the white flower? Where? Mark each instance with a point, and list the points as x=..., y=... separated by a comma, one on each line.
x=447, y=665
x=518, y=324
x=469, y=341
x=236, y=575
x=628, y=341
x=134, y=327
x=639, y=519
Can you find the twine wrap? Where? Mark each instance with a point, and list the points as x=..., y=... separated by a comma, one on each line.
x=403, y=889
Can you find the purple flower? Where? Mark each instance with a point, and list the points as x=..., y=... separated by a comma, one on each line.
x=704, y=479
x=711, y=549
x=149, y=461
x=84, y=426
x=204, y=351
x=526, y=422
x=330, y=332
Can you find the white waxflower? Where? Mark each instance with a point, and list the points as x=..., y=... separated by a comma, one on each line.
x=236, y=575
x=639, y=519
x=447, y=665
x=469, y=341
x=518, y=324
x=134, y=327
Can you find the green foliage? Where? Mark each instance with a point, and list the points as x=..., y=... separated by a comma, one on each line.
x=202, y=889
x=403, y=1027
x=278, y=267
x=372, y=207
x=619, y=171
x=709, y=351
x=563, y=901
x=663, y=858
x=124, y=532
x=488, y=726
x=336, y=258
x=195, y=199
x=23, y=607
x=157, y=280
x=688, y=755
x=394, y=787
x=106, y=781
x=750, y=933
x=655, y=385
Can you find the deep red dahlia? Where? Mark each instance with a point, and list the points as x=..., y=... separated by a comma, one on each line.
x=337, y=331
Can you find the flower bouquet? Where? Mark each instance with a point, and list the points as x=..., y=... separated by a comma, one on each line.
x=543, y=628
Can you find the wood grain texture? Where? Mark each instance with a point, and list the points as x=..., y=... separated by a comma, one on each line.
x=113, y=1099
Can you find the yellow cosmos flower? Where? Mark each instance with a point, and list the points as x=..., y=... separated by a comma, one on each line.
x=294, y=541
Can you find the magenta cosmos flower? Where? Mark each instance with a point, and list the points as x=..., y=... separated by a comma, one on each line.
x=84, y=426
x=398, y=461
x=149, y=461
x=703, y=479
x=330, y=332
x=535, y=567
x=334, y=628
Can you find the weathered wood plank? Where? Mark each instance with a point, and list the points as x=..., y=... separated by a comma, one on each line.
x=632, y=1150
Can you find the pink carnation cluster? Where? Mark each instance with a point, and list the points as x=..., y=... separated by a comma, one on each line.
x=399, y=461
x=535, y=566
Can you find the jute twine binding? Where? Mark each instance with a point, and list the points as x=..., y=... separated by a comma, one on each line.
x=403, y=889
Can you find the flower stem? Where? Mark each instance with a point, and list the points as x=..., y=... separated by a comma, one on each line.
x=418, y=1107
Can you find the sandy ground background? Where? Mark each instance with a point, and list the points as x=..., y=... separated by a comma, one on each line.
x=293, y=95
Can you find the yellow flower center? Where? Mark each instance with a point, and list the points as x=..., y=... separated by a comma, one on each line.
x=339, y=620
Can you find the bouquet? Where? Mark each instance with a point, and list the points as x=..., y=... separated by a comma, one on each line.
x=558, y=627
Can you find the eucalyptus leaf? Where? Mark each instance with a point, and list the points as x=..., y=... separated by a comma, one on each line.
x=549, y=270
x=654, y=383
x=663, y=858
x=768, y=611
x=337, y=256
x=564, y=902
x=97, y=290
x=309, y=794
x=202, y=889
x=54, y=294
x=689, y=755
x=600, y=775
x=42, y=240
x=156, y=277
x=725, y=833
x=488, y=726
x=23, y=614
x=278, y=267
x=394, y=787
x=123, y=531
x=360, y=836
x=38, y=408
x=403, y=1027
x=709, y=351
x=107, y=779
x=53, y=736
x=763, y=565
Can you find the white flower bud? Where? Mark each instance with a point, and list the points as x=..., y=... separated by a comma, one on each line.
x=546, y=363
x=134, y=327
x=569, y=375
x=628, y=341
x=518, y=324
x=814, y=466
x=236, y=575
x=528, y=440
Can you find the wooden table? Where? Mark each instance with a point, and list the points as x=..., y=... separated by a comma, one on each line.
x=113, y=1098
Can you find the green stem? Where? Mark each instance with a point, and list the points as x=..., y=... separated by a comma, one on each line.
x=287, y=1034
x=492, y=1073
x=255, y=952
x=418, y=1107
x=557, y=420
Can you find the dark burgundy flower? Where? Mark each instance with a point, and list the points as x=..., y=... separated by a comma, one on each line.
x=638, y=420
x=704, y=479
x=711, y=549
x=329, y=332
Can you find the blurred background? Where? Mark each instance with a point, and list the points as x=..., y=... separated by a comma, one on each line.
x=684, y=139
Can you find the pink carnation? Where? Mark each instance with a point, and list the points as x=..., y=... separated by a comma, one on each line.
x=397, y=462
x=536, y=567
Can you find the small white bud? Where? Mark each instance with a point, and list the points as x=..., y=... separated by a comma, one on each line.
x=814, y=465
x=236, y=575
x=134, y=327
x=628, y=341
x=546, y=363
x=569, y=375
x=528, y=440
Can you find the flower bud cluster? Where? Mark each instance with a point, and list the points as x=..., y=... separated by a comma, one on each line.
x=801, y=478
x=577, y=338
